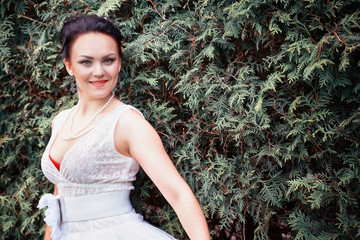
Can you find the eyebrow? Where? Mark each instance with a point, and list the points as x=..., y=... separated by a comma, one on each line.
x=109, y=55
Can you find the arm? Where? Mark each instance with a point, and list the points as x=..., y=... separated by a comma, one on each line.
x=144, y=145
x=47, y=228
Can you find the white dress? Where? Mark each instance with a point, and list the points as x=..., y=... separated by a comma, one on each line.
x=93, y=165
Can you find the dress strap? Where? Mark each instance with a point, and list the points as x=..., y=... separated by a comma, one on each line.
x=60, y=119
x=121, y=110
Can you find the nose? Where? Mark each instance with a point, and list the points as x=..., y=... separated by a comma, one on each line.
x=98, y=70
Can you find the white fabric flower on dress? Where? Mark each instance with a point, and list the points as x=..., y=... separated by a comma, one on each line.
x=52, y=213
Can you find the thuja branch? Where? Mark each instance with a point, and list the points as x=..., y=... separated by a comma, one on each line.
x=155, y=9
x=34, y=20
x=167, y=29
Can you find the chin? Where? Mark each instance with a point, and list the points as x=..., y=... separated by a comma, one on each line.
x=96, y=94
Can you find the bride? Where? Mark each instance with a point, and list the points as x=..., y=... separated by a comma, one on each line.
x=97, y=147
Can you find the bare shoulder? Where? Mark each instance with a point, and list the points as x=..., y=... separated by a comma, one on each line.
x=133, y=114
x=133, y=120
x=132, y=128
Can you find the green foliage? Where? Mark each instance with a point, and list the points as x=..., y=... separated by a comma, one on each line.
x=257, y=103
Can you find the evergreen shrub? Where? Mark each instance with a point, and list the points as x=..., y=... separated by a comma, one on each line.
x=257, y=103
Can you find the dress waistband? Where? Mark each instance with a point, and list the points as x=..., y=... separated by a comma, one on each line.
x=82, y=208
x=95, y=206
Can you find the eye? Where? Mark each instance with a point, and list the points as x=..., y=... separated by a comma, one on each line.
x=85, y=62
x=109, y=61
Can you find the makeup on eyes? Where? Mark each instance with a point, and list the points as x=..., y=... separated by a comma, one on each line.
x=108, y=59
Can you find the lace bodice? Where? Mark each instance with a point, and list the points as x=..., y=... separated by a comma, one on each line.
x=92, y=165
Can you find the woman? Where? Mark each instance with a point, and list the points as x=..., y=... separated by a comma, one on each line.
x=96, y=148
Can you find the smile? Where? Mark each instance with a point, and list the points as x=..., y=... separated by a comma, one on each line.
x=98, y=83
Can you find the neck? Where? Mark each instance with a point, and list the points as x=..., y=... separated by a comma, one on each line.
x=91, y=106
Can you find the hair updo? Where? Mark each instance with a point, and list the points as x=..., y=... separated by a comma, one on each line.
x=79, y=24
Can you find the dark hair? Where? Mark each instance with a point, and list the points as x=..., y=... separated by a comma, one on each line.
x=79, y=24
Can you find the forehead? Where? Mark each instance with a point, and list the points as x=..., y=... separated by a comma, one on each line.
x=93, y=44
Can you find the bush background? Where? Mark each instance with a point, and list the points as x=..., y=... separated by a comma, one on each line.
x=257, y=103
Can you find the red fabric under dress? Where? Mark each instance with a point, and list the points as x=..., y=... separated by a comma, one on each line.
x=56, y=164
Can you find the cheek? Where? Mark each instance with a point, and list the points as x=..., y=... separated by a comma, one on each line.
x=82, y=72
x=115, y=70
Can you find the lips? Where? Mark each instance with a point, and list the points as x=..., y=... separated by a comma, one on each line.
x=98, y=83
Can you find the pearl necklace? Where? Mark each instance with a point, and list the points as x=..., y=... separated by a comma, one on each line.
x=81, y=131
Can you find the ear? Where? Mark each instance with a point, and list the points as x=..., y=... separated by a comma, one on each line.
x=68, y=67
